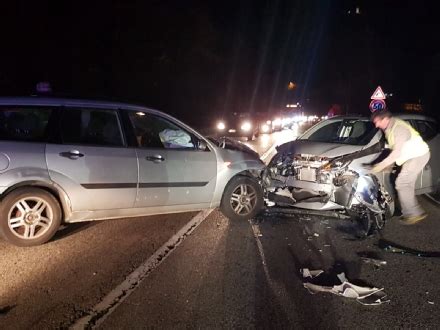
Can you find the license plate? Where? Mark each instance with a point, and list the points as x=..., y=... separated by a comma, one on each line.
x=307, y=174
x=232, y=131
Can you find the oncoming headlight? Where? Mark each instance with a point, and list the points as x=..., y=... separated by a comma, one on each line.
x=221, y=126
x=246, y=126
x=265, y=128
x=276, y=122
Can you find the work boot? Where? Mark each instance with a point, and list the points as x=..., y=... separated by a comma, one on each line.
x=413, y=220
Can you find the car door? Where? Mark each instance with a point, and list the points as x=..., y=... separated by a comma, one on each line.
x=91, y=162
x=172, y=169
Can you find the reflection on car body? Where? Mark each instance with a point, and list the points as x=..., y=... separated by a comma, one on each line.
x=324, y=169
x=65, y=160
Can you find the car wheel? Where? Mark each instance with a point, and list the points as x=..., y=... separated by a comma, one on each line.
x=242, y=199
x=29, y=216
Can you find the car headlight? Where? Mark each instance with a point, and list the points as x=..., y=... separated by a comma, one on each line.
x=246, y=126
x=221, y=126
x=268, y=122
x=265, y=128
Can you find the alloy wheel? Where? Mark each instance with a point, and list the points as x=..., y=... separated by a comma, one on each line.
x=243, y=199
x=30, y=217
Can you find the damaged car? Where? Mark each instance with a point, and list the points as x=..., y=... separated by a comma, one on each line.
x=326, y=169
x=69, y=160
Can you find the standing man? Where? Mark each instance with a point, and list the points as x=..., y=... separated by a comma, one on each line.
x=409, y=151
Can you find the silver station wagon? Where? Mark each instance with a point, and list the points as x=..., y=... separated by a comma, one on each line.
x=65, y=160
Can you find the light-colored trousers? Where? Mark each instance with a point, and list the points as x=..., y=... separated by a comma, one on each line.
x=405, y=185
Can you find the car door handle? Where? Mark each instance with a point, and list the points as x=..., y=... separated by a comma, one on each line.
x=155, y=158
x=72, y=154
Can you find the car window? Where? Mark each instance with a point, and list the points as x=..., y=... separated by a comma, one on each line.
x=91, y=127
x=324, y=133
x=347, y=131
x=427, y=129
x=24, y=123
x=157, y=132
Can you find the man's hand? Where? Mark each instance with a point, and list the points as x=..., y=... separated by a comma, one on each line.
x=375, y=169
x=371, y=168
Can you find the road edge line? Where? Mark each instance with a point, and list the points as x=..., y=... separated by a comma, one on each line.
x=114, y=298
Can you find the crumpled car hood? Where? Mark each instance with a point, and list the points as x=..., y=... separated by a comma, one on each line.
x=230, y=144
x=323, y=149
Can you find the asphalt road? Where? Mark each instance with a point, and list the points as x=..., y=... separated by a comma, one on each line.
x=150, y=273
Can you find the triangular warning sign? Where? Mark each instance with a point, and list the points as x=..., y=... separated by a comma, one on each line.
x=378, y=94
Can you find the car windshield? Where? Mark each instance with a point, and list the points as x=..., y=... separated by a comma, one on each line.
x=346, y=131
x=238, y=116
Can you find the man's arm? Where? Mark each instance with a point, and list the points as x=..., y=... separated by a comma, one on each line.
x=401, y=135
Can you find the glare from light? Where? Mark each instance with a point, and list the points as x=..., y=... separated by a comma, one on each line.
x=265, y=141
x=265, y=128
x=268, y=122
x=362, y=184
x=277, y=122
x=246, y=126
x=140, y=113
x=221, y=126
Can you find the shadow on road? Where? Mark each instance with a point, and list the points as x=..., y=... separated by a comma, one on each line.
x=71, y=229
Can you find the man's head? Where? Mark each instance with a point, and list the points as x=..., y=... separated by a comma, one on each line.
x=381, y=119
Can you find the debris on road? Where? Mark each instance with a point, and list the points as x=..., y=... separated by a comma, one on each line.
x=396, y=248
x=317, y=281
x=373, y=261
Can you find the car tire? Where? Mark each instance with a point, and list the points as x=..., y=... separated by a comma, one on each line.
x=242, y=199
x=29, y=216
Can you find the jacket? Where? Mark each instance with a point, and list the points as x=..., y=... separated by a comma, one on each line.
x=405, y=143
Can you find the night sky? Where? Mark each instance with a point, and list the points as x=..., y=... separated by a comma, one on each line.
x=200, y=59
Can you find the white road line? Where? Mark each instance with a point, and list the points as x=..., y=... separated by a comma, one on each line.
x=279, y=290
x=110, y=302
x=257, y=235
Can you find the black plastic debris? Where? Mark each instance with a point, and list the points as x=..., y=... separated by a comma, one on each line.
x=389, y=246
